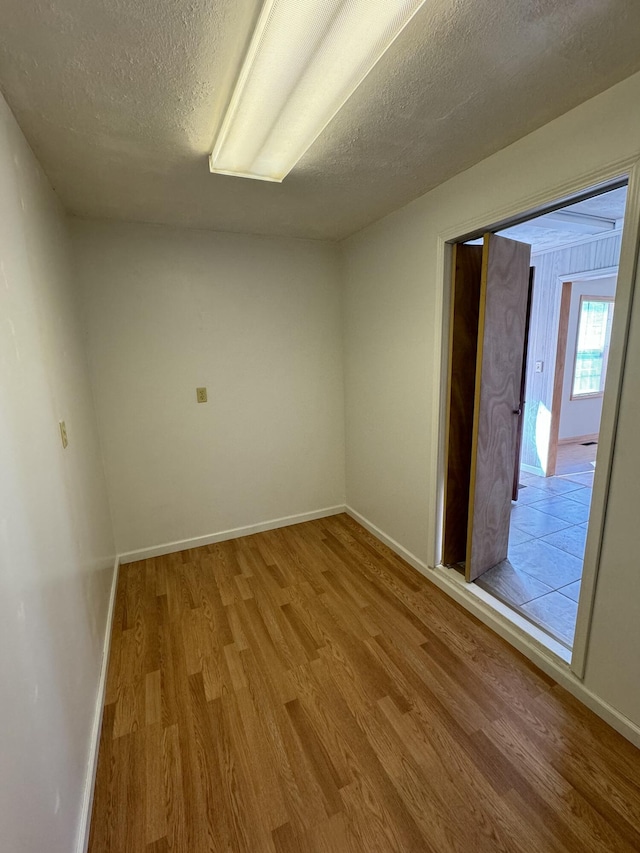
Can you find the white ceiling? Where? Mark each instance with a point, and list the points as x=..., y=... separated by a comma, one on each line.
x=598, y=215
x=120, y=100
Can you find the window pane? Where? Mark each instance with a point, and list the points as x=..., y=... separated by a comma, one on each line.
x=594, y=331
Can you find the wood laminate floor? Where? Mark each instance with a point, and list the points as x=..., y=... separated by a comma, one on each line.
x=306, y=690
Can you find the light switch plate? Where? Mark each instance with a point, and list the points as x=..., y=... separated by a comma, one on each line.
x=63, y=434
x=201, y=395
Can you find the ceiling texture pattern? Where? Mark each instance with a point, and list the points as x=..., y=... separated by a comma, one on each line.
x=600, y=215
x=121, y=100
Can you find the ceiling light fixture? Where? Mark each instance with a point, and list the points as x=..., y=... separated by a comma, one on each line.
x=305, y=60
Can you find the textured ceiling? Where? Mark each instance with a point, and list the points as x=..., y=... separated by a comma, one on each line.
x=543, y=233
x=120, y=100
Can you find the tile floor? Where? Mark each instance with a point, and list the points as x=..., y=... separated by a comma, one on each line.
x=541, y=577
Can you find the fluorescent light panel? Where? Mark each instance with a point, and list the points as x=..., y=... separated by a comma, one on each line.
x=306, y=58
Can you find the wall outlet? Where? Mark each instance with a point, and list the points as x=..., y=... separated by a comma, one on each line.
x=201, y=395
x=539, y=366
x=63, y=434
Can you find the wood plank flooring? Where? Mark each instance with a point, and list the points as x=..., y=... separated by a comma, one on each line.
x=306, y=690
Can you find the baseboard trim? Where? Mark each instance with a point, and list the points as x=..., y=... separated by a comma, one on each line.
x=532, y=469
x=92, y=764
x=223, y=536
x=551, y=657
x=578, y=439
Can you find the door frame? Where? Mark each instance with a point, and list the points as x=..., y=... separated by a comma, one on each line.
x=609, y=176
x=564, y=284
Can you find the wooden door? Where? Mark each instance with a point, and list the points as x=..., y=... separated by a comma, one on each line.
x=501, y=328
x=463, y=349
x=523, y=391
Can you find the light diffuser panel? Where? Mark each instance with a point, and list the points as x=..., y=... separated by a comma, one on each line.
x=305, y=60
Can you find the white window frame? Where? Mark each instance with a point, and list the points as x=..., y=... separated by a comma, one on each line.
x=590, y=395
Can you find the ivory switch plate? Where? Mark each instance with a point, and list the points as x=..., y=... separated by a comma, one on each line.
x=63, y=434
x=201, y=395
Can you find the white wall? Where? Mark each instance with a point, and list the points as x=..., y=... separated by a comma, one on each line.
x=56, y=545
x=255, y=320
x=392, y=342
x=580, y=417
x=602, y=252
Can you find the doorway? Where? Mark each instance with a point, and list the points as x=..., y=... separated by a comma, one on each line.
x=563, y=334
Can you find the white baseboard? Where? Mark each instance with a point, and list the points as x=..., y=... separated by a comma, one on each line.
x=578, y=439
x=551, y=657
x=223, y=536
x=92, y=765
x=532, y=469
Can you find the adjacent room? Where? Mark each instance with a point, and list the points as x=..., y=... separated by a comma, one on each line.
x=318, y=404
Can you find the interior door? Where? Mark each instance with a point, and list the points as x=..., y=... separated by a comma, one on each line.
x=463, y=348
x=523, y=391
x=504, y=290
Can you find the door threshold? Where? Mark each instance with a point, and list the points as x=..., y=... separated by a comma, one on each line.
x=509, y=624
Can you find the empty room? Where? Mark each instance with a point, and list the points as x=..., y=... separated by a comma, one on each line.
x=319, y=406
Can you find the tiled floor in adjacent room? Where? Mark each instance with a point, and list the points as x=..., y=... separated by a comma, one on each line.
x=541, y=577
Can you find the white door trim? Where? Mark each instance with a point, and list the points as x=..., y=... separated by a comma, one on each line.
x=625, y=290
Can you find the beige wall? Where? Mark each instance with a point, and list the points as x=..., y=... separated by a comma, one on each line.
x=255, y=320
x=391, y=342
x=56, y=545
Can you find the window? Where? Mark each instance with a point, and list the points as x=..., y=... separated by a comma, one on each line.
x=592, y=350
